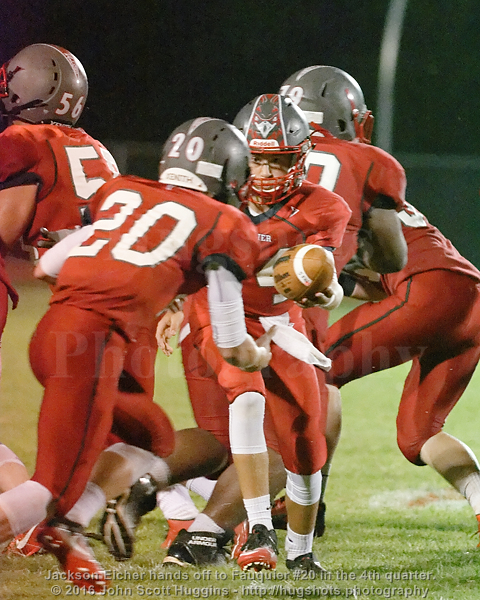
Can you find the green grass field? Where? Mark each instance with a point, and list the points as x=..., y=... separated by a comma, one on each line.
x=393, y=530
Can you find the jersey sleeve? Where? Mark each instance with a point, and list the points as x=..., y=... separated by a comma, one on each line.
x=332, y=214
x=233, y=244
x=18, y=156
x=387, y=177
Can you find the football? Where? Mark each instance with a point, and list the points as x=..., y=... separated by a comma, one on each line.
x=302, y=271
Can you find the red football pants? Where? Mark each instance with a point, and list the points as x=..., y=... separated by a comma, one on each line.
x=78, y=357
x=292, y=392
x=432, y=319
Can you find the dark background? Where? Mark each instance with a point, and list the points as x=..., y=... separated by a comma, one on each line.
x=153, y=64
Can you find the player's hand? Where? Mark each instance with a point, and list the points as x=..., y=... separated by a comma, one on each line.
x=168, y=327
x=265, y=340
x=250, y=356
x=328, y=299
x=50, y=238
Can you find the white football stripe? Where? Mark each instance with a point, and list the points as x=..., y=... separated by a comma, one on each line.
x=298, y=264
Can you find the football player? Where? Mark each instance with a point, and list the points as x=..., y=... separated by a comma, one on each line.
x=49, y=169
x=438, y=331
x=285, y=211
x=430, y=315
x=371, y=181
x=150, y=241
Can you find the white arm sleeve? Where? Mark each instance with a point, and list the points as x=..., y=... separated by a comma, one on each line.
x=52, y=261
x=226, y=308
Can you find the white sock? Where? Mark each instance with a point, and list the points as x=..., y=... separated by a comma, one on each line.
x=141, y=462
x=297, y=544
x=470, y=488
x=160, y=472
x=90, y=502
x=8, y=456
x=25, y=505
x=201, y=486
x=175, y=503
x=204, y=523
x=259, y=511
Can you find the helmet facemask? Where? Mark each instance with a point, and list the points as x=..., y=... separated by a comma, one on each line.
x=364, y=126
x=3, y=82
x=265, y=191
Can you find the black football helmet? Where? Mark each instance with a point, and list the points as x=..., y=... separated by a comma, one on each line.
x=207, y=155
x=43, y=84
x=332, y=99
x=273, y=124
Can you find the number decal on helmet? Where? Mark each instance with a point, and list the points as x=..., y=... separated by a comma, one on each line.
x=64, y=103
x=78, y=108
x=177, y=141
x=295, y=93
x=193, y=149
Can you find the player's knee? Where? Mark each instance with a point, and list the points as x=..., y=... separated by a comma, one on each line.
x=304, y=489
x=410, y=448
x=246, y=424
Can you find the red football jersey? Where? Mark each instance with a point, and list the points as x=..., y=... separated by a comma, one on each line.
x=357, y=172
x=151, y=242
x=68, y=165
x=428, y=249
x=311, y=215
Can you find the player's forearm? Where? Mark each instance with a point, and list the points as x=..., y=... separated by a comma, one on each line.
x=51, y=262
x=228, y=322
x=382, y=247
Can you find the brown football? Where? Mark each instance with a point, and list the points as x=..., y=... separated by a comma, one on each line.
x=302, y=271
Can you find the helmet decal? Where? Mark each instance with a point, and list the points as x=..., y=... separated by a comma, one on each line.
x=197, y=122
x=71, y=60
x=267, y=119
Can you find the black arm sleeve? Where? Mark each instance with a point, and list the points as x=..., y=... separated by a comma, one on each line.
x=215, y=260
x=347, y=282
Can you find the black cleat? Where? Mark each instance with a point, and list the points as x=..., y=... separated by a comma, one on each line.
x=279, y=517
x=305, y=564
x=260, y=550
x=197, y=548
x=123, y=515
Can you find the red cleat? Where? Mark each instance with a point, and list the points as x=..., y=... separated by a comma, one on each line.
x=260, y=550
x=174, y=528
x=239, y=539
x=25, y=544
x=75, y=556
